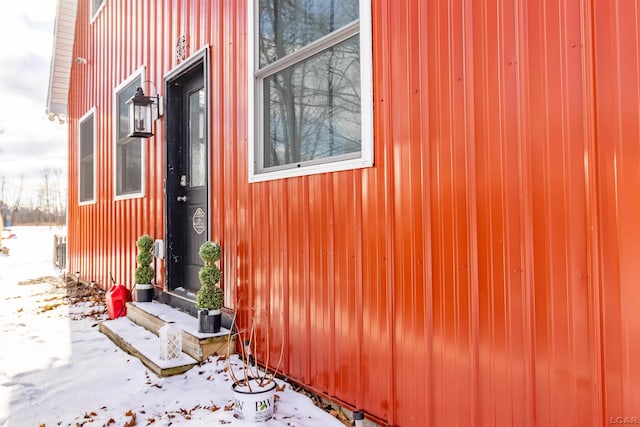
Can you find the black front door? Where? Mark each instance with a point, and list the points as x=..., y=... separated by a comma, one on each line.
x=186, y=185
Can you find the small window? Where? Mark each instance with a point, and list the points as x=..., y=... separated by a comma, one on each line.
x=129, y=164
x=95, y=7
x=87, y=158
x=310, y=89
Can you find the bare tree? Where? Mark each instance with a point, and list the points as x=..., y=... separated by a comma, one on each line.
x=45, y=195
x=10, y=200
x=58, y=200
x=50, y=203
x=17, y=199
x=1, y=132
x=3, y=181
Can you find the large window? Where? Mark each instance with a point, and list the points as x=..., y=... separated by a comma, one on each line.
x=310, y=89
x=129, y=164
x=87, y=158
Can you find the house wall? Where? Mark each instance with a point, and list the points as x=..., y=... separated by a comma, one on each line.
x=483, y=272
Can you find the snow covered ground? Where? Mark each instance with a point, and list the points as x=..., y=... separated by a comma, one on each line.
x=56, y=368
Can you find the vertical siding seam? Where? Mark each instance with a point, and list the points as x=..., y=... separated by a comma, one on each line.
x=427, y=276
x=385, y=126
x=594, y=247
x=524, y=184
x=472, y=200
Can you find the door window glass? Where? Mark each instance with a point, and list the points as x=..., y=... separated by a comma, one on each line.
x=197, y=137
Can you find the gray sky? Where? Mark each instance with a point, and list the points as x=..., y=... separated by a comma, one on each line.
x=29, y=142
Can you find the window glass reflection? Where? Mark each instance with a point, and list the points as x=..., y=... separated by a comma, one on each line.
x=197, y=134
x=312, y=109
x=287, y=25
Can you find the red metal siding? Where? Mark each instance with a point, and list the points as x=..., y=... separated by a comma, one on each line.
x=483, y=272
x=617, y=160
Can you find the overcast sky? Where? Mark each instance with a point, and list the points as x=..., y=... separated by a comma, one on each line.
x=29, y=142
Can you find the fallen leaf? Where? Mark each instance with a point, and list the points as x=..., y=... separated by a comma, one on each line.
x=131, y=422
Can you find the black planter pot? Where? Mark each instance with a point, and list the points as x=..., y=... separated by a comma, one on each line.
x=144, y=295
x=209, y=321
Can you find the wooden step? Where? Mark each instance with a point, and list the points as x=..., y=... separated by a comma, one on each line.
x=144, y=345
x=154, y=315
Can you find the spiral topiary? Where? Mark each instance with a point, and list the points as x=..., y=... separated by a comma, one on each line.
x=144, y=272
x=210, y=296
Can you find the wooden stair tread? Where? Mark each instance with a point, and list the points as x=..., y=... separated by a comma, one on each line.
x=137, y=334
x=144, y=345
x=154, y=315
x=166, y=314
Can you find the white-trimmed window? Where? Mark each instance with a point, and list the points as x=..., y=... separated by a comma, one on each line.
x=87, y=158
x=129, y=153
x=310, y=87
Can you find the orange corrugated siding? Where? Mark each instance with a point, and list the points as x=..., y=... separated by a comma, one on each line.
x=617, y=160
x=483, y=272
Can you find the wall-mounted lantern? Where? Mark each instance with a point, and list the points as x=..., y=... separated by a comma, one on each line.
x=143, y=110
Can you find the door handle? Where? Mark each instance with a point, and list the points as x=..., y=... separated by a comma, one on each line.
x=182, y=198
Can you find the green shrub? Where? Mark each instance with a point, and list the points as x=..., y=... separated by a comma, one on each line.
x=144, y=243
x=144, y=258
x=210, y=296
x=209, y=275
x=210, y=252
x=144, y=273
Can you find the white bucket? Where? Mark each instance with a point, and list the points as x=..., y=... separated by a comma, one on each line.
x=254, y=405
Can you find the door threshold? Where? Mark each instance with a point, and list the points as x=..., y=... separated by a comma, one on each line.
x=182, y=300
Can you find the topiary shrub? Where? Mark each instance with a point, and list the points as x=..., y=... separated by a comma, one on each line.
x=210, y=296
x=144, y=243
x=210, y=252
x=144, y=273
x=209, y=274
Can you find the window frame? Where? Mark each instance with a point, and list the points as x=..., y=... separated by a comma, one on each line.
x=256, y=76
x=138, y=75
x=89, y=114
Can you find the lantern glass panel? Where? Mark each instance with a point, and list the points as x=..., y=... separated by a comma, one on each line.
x=140, y=112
